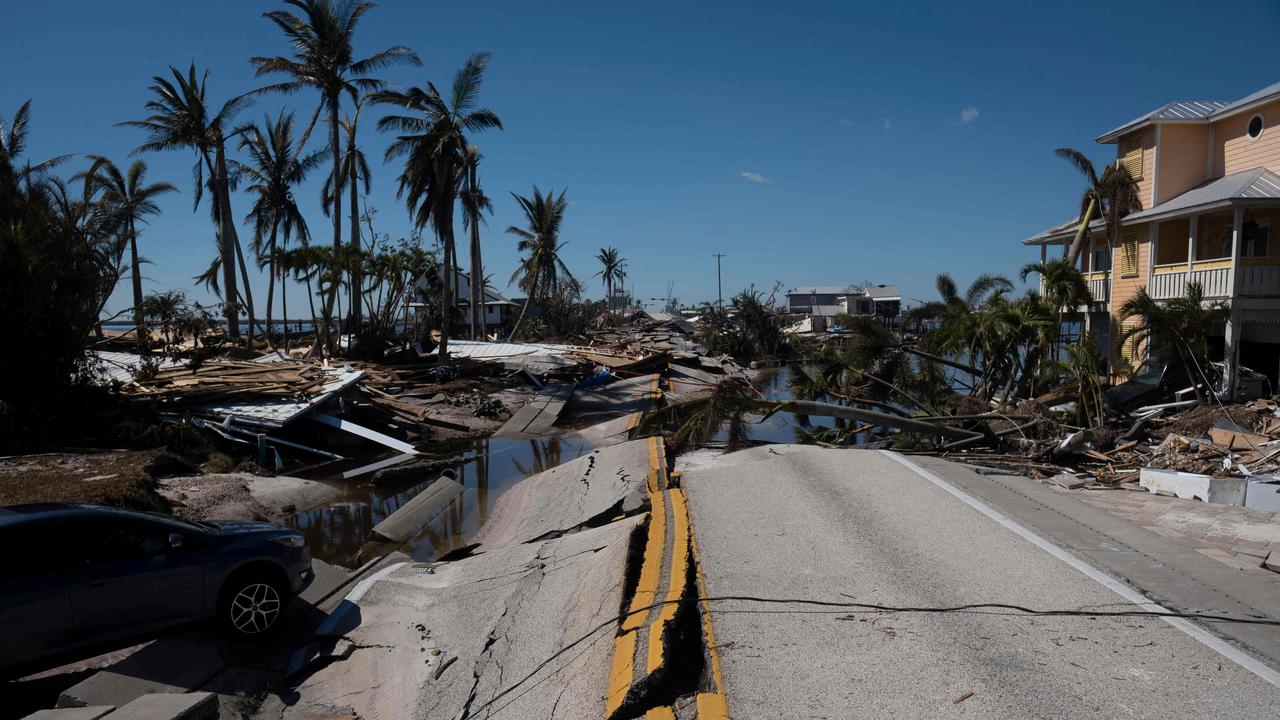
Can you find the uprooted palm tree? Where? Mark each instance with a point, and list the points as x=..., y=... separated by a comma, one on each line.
x=129, y=199
x=1177, y=328
x=1110, y=197
x=181, y=118
x=433, y=142
x=321, y=35
x=542, y=272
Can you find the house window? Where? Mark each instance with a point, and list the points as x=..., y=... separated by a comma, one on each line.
x=1255, y=237
x=1255, y=127
x=1128, y=261
x=1131, y=156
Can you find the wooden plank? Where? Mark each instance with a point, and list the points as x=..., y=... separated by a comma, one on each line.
x=538, y=417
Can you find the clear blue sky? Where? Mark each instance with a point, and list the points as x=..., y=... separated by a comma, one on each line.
x=813, y=142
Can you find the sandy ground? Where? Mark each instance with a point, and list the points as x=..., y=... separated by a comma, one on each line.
x=242, y=496
x=124, y=478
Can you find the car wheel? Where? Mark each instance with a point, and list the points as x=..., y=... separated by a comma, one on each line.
x=251, y=605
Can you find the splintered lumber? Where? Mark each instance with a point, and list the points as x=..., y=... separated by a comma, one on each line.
x=540, y=415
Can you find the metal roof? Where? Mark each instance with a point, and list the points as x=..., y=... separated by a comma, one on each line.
x=1256, y=184
x=1062, y=229
x=1243, y=103
x=844, y=290
x=883, y=292
x=1177, y=111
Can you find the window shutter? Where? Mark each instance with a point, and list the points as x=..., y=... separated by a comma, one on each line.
x=1131, y=159
x=1128, y=261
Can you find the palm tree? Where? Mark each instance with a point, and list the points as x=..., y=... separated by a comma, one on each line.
x=273, y=170
x=954, y=317
x=129, y=199
x=321, y=39
x=542, y=272
x=1177, y=328
x=434, y=145
x=181, y=119
x=13, y=141
x=1112, y=196
x=474, y=205
x=1063, y=284
x=613, y=268
x=355, y=172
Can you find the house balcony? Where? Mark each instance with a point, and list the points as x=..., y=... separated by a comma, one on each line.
x=1170, y=281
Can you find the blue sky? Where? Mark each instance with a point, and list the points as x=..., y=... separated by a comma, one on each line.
x=813, y=142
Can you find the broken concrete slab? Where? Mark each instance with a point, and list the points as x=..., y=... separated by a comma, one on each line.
x=1070, y=481
x=1273, y=561
x=170, y=706
x=405, y=522
x=174, y=664
x=590, y=488
x=611, y=432
x=1192, y=486
x=447, y=639
x=79, y=713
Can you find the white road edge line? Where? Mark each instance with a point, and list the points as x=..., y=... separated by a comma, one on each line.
x=299, y=657
x=1128, y=592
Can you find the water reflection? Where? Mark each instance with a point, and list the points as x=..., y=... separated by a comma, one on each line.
x=783, y=427
x=486, y=468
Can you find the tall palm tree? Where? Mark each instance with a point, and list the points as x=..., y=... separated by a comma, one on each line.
x=613, y=267
x=273, y=170
x=542, y=272
x=355, y=172
x=474, y=205
x=1111, y=197
x=13, y=141
x=321, y=35
x=181, y=118
x=129, y=199
x=433, y=142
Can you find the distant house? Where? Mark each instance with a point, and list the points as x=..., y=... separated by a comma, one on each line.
x=499, y=312
x=880, y=300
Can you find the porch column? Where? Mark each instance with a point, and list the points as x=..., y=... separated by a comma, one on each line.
x=1231, y=354
x=1088, y=309
x=1194, y=222
x=1237, y=222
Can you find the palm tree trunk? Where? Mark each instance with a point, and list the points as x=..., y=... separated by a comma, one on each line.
x=446, y=304
x=271, y=284
x=137, y=286
x=227, y=242
x=477, y=282
x=533, y=286
x=357, y=263
x=1078, y=242
x=336, y=147
x=247, y=294
x=284, y=305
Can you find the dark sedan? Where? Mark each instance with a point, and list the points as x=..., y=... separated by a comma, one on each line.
x=80, y=579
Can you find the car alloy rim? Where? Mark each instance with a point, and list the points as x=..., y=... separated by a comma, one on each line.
x=254, y=608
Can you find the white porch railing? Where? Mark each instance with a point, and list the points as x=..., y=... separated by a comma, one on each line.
x=1216, y=283
x=1100, y=290
x=1263, y=281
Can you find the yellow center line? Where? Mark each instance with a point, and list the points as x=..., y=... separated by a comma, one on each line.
x=712, y=705
x=675, y=579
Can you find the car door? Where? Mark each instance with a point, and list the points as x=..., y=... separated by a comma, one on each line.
x=35, y=603
x=135, y=579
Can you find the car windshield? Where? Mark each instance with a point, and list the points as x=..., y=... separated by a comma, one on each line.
x=1149, y=374
x=193, y=524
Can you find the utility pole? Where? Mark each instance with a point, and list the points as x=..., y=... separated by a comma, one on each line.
x=719, y=293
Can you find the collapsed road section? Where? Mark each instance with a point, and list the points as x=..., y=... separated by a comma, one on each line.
x=576, y=600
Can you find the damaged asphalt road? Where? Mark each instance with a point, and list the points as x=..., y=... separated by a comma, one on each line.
x=525, y=624
x=844, y=525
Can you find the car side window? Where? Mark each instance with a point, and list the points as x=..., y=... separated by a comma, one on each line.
x=46, y=549
x=117, y=541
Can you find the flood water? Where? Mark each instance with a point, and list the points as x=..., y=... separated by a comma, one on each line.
x=486, y=468
x=339, y=530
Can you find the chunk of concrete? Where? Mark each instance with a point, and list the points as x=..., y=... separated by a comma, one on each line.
x=1191, y=486
x=1273, y=561
x=567, y=496
x=80, y=713
x=170, y=706
x=405, y=523
x=1070, y=481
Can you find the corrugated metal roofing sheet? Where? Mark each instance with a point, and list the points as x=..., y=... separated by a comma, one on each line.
x=1255, y=184
x=1067, y=228
x=1177, y=111
x=1247, y=100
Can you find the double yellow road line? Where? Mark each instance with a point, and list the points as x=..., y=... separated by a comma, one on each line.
x=669, y=546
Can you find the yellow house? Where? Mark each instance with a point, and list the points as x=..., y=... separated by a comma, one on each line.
x=1209, y=177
